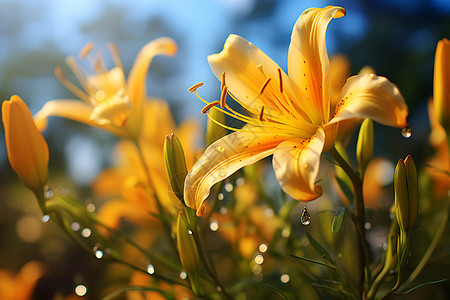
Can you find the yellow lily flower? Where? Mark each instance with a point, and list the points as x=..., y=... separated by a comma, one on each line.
x=26, y=147
x=289, y=115
x=127, y=180
x=109, y=101
x=20, y=286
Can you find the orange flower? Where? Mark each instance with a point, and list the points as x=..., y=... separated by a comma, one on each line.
x=21, y=285
x=27, y=148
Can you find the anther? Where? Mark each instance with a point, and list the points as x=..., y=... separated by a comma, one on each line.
x=280, y=77
x=264, y=85
x=223, y=96
x=85, y=50
x=195, y=87
x=261, y=113
x=223, y=83
x=207, y=107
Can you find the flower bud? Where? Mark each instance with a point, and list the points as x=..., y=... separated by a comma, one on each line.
x=364, y=147
x=213, y=130
x=188, y=251
x=441, y=89
x=406, y=194
x=27, y=148
x=175, y=164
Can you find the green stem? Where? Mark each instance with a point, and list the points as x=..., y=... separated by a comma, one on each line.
x=431, y=248
x=166, y=225
x=358, y=217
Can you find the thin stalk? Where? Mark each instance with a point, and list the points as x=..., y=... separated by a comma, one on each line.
x=358, y=217
x=167, y=226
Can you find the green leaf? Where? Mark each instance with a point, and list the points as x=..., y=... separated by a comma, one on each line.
x=338, y=219
x=338, y=289
x=314, y=261
x=345, y=188
x=321, y=250
x=278, y=291
x=420, y=285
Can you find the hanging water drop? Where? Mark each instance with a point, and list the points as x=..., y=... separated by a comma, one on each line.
x=406, y=132
x=306, y=217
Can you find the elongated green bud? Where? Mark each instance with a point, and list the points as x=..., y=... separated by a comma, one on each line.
x=406, y=194
x=364, y=147
x=175, y=164
x=213, y=130
x=188, y=252
x=406, y=209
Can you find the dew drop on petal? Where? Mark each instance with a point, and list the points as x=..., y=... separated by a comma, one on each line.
x=306, y=217
x=406, y=132
x=223, y=173
x=220, y=148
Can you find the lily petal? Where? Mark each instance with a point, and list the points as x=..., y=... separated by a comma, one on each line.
x=221, y=159
x=73, y=110
x=308, y=63
x=296, y=163
x=138, y=74
x=371, y=96
x=244, y=65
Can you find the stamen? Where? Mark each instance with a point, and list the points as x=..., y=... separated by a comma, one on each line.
x=280, y=77
x=195, y=87
x=207, y=107
x=70, y=86
x=85, y=50
x=264, y=85
x=222, y=81
x=261, y=113
x=261, y=70
x=223, y=96
x=115, y=55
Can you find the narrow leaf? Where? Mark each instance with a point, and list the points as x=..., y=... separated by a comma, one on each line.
x=420, y=285
x=314, y=261
x=278, y=291
x=321, y=250
x=338, y=219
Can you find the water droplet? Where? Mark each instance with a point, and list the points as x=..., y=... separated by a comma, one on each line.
x=220, y=148
x=214, y=225
x=406, y=132
x=259, y=259
x=86, y=232
x=75, y=226
x=90, y=207
x=262, y=248
x=190, y=231
x=80, y=290
x=48, y=192
x=306, y=217
x=285, y=278
x=222, y=173
x=97, y=252
x=45, y=218
x=150, y=269
x=228, y=187
x=183, y=275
